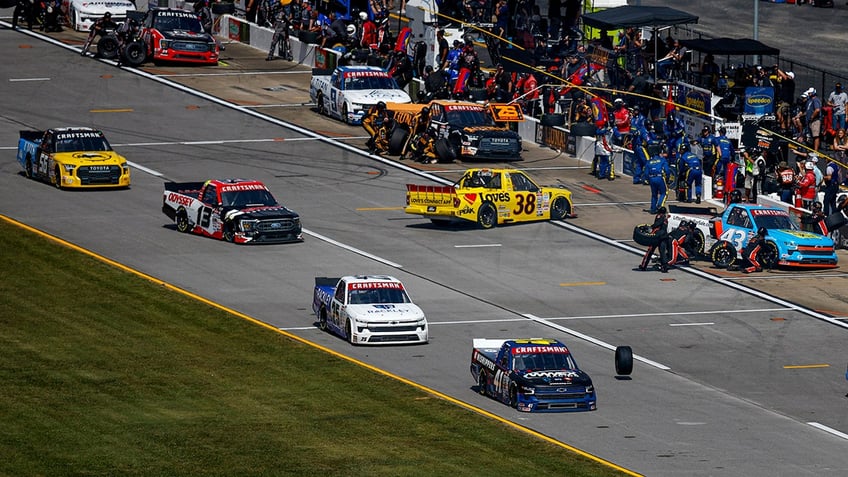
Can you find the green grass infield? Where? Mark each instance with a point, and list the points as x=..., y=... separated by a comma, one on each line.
x=105, y=373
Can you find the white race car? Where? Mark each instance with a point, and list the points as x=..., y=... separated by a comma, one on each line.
x=350, y=91
x=82, y=14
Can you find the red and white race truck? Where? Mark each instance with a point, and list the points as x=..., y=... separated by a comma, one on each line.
x=235, y=210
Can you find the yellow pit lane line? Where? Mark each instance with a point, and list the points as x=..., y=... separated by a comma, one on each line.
x=255, y=321
x=805, y=366
x=582, y=284
x=123, y=110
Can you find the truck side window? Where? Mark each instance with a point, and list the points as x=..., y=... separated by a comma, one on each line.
x=340, y=292
x=210, y=195
x=495, y=181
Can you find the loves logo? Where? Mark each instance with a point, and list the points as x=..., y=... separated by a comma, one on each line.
x=470, y=198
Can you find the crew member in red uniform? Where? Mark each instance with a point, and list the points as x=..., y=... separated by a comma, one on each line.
x=621, y=118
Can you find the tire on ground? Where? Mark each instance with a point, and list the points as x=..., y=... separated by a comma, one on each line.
x=487, y=216
x=623, y=360
x=135, y=53
x=107, y=47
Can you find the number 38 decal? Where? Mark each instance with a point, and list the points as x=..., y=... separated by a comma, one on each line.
x=526, y=204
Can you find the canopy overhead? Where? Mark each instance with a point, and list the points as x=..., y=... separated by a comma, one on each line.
x=637, y=16
x=730, y=46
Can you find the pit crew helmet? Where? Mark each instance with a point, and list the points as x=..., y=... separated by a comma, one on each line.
x=735, y=196
x=762, y=232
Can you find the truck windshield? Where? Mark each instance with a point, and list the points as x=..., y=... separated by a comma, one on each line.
x=375, y=296
x=370, y=82
x=477, y=117
x=244, y=198
x=184, y=23
x=76, y=144
x=544, y=361
x=774, y=222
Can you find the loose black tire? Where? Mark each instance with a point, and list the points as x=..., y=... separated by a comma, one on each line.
x=583, y=129
x=552, y=120
x=444, y=150
x=723, y=254
x=135, y=53
x=397, y=140
x=768, y=255
x=643, y=235
x=307, y=36
x=835, y=220
x=487, y=216
x=478, y=94
x=223, y=8
x=322, y=319
x=623, y=360
x=481, y=383
x=560, y=208
x=181, y=220
x=107, y=47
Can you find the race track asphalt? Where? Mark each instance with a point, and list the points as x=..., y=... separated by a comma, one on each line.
x=731, y=380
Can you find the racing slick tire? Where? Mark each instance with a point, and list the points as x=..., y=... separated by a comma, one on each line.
x=349, y=332
x=643, y=236
x=697, y=243
x=481, y=383
x=723, y=254
x=513, y=396
x=107, y=47
x=583, y=129
x=228, y=233
x=181, y=220
x=560, y=208
x=344, y=114
x=835, y=220
x=135, y=53
x=623, y=360
x=487, y=216
x=552, y=120
x=58, y=177
x=322, y=319
x=768, y=255
x=397, y=140
x=28, y=168
x=444, y=150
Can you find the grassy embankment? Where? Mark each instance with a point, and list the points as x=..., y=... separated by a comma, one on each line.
x=105, y=373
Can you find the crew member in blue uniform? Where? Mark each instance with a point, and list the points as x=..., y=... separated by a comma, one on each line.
x=657, y=171
x=694, y=175
x=726, y=151
x=675, y=134
x=707, y=141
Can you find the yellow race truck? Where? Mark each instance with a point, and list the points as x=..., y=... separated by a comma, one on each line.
x=489, y=197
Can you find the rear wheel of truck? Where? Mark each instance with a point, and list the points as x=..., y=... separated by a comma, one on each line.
x=322, y=319
x=321, y=108
x=481, y=383
x=487, y=216
x=560, y=209
x=698, y=242
x=135, y=53
x=181, y=219
x=28, y=168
